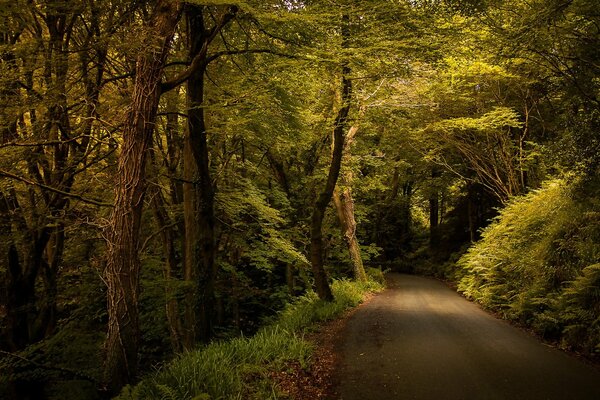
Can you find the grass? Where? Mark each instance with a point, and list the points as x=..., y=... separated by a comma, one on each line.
x=239, y=368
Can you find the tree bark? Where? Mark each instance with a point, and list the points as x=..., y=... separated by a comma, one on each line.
x=190, y=239
x=203, y=248
x=123, y=263
x=434, y=211
x=167, y=238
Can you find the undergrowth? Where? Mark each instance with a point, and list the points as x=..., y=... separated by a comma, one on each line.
x=539, y=264
x=239, y=368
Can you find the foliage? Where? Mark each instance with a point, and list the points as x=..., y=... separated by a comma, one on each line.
x=238, y=368
x=538, y=262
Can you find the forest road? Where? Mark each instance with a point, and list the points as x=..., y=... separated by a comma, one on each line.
x=421, y=340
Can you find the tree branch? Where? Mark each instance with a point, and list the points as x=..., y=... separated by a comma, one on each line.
x=117, y=78
x=54, y=190
x=37, y=144
x=199, y=60
x=47, y=367
x=247, y=51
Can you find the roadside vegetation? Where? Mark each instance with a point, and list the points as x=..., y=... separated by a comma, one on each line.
x=241, y=368
x=537, y=263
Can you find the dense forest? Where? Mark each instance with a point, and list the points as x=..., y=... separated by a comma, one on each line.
x=186, y=185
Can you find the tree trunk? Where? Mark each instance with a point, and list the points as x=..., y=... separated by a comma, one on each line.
x=434, y=210
x=167, y=238
x=201, y=247
x=472, y=213
x=344, y=205
x=170, y=228
x=190, y=239
x=199, y=202
x=123, y=263
x=316, y=227
x=47, y=316
x=290, y=279
x=19, y=281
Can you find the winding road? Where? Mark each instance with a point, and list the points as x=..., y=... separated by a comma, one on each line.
x=420, y=340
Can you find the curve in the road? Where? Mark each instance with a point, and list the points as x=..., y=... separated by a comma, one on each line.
x=421, y=340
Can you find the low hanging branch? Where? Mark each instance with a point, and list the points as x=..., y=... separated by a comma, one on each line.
x=247, y=51
x=37, y=144
x=54, y=190
x=47, y=367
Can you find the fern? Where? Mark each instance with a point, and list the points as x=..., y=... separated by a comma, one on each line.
x=538, y=263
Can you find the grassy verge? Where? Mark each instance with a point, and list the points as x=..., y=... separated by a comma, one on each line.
x=239, y=368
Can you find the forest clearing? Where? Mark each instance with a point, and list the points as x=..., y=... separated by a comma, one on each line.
x=191, y=192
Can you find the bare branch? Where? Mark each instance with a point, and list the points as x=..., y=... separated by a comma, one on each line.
x=246, y=51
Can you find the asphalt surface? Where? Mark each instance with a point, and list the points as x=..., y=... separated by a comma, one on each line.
x=420, y=340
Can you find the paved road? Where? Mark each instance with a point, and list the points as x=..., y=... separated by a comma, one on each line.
x=421, y=340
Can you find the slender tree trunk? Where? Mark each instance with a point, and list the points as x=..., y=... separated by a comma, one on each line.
x=200, y=220
x=47, y=318
x=200, y=215
x=170, y=228
x=434, y=211
x=344, y=204
x=123, y=263
x=472, y=213
x=19, y=283
x=167, y=237
x=190, y=239
x=316, y=227
x=289, y=278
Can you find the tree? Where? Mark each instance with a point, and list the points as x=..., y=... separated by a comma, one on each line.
x=339, y=128
x=48, y=124
x=344, y=204
x=123, y=264
x=199, y=198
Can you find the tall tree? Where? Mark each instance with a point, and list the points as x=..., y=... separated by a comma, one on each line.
x=51, y=128
x=339, y=131
x=123, y=263
x=199, y=193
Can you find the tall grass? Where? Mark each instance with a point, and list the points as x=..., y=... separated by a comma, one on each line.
x=239, y=368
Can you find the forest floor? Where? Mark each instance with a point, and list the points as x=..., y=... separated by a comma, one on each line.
x=420, y=340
